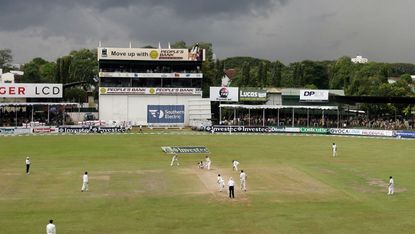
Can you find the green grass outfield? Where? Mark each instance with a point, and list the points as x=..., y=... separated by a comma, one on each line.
x=294, y=185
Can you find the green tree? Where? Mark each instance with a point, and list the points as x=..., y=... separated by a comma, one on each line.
x=276, y=74
x=5, y=57
x=83, y=66
x=31, y=73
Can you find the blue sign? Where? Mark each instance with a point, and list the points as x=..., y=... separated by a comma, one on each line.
x=406, y=134
x=173, y=114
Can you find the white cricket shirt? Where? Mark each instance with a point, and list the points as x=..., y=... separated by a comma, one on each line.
x=50, y=228
x=231, y=183
x=85, y=178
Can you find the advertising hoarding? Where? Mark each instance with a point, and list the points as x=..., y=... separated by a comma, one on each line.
x=185, y=149
x=150, y=75
x=314, y=95
x=252, y=94
x=149, y=91
x=28, y=90
x=165, y=114
x=150, y=54
x=224, y=94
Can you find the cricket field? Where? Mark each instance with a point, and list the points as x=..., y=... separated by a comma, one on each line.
x=294, y=184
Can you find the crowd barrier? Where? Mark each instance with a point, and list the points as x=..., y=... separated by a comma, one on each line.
x=331, y=131
x=61, y=129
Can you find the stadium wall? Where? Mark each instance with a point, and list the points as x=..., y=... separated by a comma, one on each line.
x=133, y=108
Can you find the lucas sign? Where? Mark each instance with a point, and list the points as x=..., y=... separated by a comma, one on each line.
x=252, y=94
x=26, y=90
x=314, y=95
x=224, y=94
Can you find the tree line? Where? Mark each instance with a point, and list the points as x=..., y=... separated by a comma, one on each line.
x=356, y=79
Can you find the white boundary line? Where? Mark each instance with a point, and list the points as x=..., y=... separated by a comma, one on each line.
x=201, y=133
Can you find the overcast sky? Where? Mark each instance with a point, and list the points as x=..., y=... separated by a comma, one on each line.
x=288, y=30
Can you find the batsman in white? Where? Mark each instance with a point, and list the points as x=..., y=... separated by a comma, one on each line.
x=208, y=162
x=175, y=159
x=391, y=186
x=243, y=178
x=235, y=165
x=221, y=183
x=85, y=181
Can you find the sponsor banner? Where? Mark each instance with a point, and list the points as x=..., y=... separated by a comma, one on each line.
x=150, y=75
x=405, y=134
x=7, y=131
x=314, y=130
x=292, y=130
x=19, y=131
x=360, y=132
x=226, y=128
x=149, y=91
x=314, y=95
x=27, y=90
x=44, y=130
x=150, y=54
x=224, y=94
x=252, y=94
x=185, y=149
x=166, y=114
x=15, y=131
x=91, y=129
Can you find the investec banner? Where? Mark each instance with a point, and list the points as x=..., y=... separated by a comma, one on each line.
x=27, y=90
x=185, y=149
x=226, y=128
x=360, y=132
x=150, y=75
x=151, y=54
x=149, y=91
x=314, y=95
x=252, y=94
x=167, y=114
x=91, y=129
x=224, y=94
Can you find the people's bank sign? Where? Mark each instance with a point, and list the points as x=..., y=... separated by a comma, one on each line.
x=173, y=114
x=314, y=95
x=27, y=90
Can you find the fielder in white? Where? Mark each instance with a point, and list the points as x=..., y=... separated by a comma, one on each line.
x=391, y=186
x=221, y=182
x=85, y=181
x=334, y=149
x=243, y=178
x=50, y=228
x=27, y=165
x=208, y=162
x=235, y=165
x=175, y=159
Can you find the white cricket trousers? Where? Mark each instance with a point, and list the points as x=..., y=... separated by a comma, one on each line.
x=243, y=185
x=391, y=190
x=84, y=186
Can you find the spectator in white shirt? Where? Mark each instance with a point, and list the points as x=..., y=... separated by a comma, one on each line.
x=85, y=181
x=50, y=228
x=231, y=185
x=27, y=165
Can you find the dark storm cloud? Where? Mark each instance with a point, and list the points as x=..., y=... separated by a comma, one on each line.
x=288, y=30
x=19, y=14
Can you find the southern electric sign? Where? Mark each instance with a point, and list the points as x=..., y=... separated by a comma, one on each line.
x=26, y=90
